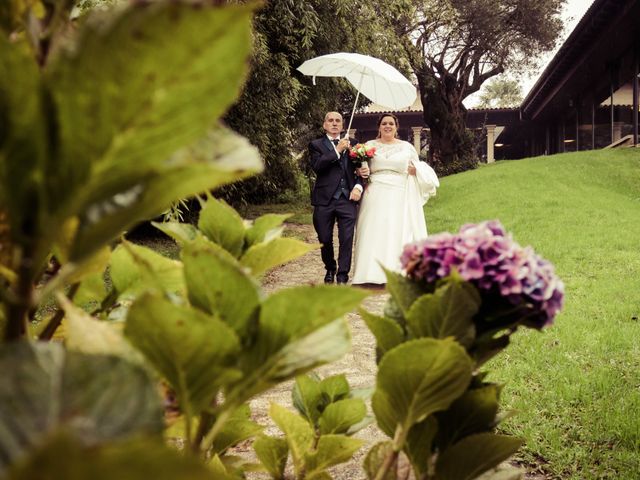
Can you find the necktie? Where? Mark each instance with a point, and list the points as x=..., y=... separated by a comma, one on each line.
x=335, y=141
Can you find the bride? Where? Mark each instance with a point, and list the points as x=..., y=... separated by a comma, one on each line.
x=391, y=212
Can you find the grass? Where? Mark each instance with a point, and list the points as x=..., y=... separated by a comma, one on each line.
x=301, y=212
x=575, y=386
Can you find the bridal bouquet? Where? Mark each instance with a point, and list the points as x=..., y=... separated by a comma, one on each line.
x=360, y=152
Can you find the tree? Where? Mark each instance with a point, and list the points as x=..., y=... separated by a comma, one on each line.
x=501, y=93
x=280, y=110
x=454, y=46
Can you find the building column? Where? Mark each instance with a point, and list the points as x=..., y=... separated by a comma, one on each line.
x=491, y=138
x=417, y=131
x=616, y=131
x=352, y=132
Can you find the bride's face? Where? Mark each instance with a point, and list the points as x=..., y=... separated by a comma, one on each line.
x=388, y=128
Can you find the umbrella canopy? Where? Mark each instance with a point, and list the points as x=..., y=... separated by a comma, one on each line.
x=375, y=79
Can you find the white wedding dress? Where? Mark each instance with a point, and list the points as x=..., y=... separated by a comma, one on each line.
x=391, y=213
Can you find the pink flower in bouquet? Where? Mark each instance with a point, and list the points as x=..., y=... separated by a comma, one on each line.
x=486, y=256
x=361, y=152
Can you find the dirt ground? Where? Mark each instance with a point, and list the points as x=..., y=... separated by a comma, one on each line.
x=358, y=365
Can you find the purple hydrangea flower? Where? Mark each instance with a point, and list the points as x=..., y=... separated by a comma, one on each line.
x=486, y=256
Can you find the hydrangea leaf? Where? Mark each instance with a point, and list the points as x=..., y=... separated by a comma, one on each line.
x=264, y=256
x=387, y=332
x=265, y=228
x=218, y=285
x=475, y=454
x=447, y=312
x=473, y=412
x=335, y=387
x=135, y=268
x=375, y=459
x=64, y=457
x=272, y=453
x=190, y=66
x=23, y=140
x=418, y=445
x=340, y=416
x=225, y=157
x=97, y=398
x=86, y=334
x=307, y=397
x=193, y=351
x=418, y=378
x=331, y=450
x=182, y=233
x=403, y=290
x=298, y=434
x=222, y=225
x=237, y=428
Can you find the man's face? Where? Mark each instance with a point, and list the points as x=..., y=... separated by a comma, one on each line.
x=333, y=124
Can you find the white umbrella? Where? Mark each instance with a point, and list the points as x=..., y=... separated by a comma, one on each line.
x=375, y=79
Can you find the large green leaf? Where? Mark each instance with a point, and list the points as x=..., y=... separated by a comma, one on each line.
x=292, y=313
x=403, y=290
x=298, y=433
x=322, y=345
x=387, y=331
x=218, y=285
x=264, y=256
x=419, y=444
x=237, y=428
x=265, y=228
x=329, y=451
x=135, y=268
x=65, y=458
x=84, y=333
x=222, y=225
x=334, y=388
x=98, y=398
x=473, y=412
x=122, y=166
x=447, y=312
x=182, y=233
x=418, y=378
x=340, y=416
x=307, y=397
x=474, y=455
x=23, y=140
x=193, y=351
x=272, y=453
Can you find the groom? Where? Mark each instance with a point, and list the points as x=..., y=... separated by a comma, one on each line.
x=335, y=196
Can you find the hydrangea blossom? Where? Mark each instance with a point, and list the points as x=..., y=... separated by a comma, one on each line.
x=486, y=256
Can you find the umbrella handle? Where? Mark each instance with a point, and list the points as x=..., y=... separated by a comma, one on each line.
x=346, y=135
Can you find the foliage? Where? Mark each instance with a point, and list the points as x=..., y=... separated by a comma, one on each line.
x=454, y=46
x=318, y=437
x=280, y=110
x=500, y=93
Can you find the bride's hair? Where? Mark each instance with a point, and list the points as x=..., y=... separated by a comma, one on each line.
x=385, y=115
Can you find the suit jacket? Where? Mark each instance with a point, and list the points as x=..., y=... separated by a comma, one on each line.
x=329, y=169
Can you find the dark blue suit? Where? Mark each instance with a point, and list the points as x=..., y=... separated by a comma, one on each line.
x=335, y=178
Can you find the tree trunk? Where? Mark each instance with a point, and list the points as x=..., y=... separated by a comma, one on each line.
x=451, y=149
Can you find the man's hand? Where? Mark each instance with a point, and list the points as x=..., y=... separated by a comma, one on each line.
x=363, y=171
x=355, y=194
x=343, y=144
x=411, y=169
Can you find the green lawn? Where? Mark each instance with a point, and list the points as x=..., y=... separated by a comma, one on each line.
x=576, y=386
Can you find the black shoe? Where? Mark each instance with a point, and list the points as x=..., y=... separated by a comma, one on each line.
x=342, y=279
x=330, y=275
